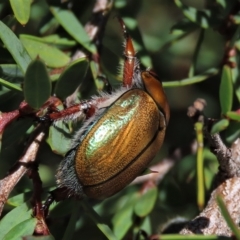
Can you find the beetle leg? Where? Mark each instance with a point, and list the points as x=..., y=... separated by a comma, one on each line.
x=86, y=108
x=130, y=59
x=58, y=194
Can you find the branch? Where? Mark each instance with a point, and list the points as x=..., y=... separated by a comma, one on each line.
x=210, y=220
x=20, y=168
x=95, y=27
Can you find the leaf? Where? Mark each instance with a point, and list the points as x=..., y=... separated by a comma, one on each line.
x=203, y=17
x=233, y=115
x=52, y=56
x=183, y=26
x=222, y=3
x=57, y=139
x=123, y=219
x=53, y=39
x=73, y=27
x=15, y=47
x=16, y=131
x=196, y=79
x=21, y=10
x=19, y=199
x=104, y=228
x=9, y=85
x=146, y=202
x=71, y=78
x=49, y=27
x=94, y=70
x=10, y=220
x=226, y=90
x=22, y=229
x=37, y=85
x=220, y=126
x=233, y=132
x=11, y=70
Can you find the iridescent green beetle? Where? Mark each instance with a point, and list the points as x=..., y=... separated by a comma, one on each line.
x=123, y=132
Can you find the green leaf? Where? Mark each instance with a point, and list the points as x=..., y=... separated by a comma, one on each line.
x=104, y=228
x=94, y=70
x=228, y=218
x=71, y=24
x=226, y=90
x=11, y=70
x=52, y=56
x=236, y=20
x=200, y=17
x=10, y=220
x=200, y=165
x=9, y=85
x=37, y=85
x=16, y=131
x=49, y=27
x=196, y=79
x=222, y=3
x=19, y=199
x=233, y=132
x=59, y=138
x=15, y=47
x=53, y=39
x=220, y=126
x=233, y=115
x=71, y=78
x=146, y=202
x=123, y=219
x=21, y=10
x=69, y=232
x=22, y=229
x=183, y=26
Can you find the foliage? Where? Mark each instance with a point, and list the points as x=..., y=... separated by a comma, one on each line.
x=192, y=52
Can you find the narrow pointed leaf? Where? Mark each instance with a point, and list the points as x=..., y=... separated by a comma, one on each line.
x=19, y=199
x=10, y=220
x=37, y=86
x=220, y=126
x=52, y=56
x=11, y=70
x=22, y=229
x=226, y=90
x=9, y=85
x=146, y=202
x=21, y=10
x=59, y=138
x=203, y=17
x=196, y=79
x=15, y=47
x=94, y=70
x=71, y=24
x=53, y=39
x=104, y=228
x=71, y=78
x=233, y=115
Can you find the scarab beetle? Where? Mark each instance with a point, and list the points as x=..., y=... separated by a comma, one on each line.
x=122, y=133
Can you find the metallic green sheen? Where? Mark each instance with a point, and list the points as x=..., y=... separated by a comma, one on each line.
x=109, y=128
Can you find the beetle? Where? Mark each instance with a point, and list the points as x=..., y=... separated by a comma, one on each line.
x=122, y=133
